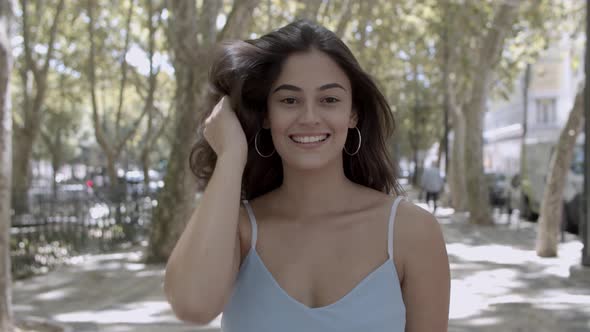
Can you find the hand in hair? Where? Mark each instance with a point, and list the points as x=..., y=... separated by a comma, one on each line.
x=224, y=132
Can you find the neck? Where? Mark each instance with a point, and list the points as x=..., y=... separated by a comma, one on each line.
x=314, y=192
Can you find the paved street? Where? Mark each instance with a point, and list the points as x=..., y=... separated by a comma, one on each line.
x=498, y=284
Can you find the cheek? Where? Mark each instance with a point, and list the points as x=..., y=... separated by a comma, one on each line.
x=341, y=121
x=278, y=121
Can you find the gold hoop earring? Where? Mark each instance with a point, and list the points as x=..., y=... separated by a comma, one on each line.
x=256, y=146
x=358, y=147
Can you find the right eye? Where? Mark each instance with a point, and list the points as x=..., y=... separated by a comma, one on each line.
x=289, y=101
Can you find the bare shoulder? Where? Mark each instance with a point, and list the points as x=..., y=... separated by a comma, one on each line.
x=417, y=238
x=416, y=225
x=420, y=246
x=258, y=206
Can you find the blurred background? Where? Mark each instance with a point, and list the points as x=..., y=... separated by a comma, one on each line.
x=103, y=98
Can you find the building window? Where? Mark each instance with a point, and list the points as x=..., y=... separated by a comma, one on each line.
x=546, y=113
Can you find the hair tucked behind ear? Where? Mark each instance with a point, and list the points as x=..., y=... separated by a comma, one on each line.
x=245, y=71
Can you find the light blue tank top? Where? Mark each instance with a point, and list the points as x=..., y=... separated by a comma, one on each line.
x=259, y=304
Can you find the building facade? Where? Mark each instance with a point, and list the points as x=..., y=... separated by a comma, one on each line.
x=554, y=81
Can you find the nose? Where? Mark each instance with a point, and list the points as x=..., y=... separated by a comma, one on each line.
x=309, y=114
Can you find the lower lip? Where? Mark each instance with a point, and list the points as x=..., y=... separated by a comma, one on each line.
x=310, y=145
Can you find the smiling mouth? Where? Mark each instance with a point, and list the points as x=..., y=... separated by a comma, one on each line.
x=309, y=139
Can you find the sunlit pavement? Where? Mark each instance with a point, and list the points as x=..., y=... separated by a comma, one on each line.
x=498, y=284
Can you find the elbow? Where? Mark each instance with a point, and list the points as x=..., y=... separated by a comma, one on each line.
x=193, y=315
x=189, y=309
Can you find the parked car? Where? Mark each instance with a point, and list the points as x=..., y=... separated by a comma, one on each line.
x=572, y=208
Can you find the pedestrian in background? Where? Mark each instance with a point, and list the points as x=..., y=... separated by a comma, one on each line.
x=431, y=183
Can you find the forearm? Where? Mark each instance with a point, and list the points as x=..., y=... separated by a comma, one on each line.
x=203, y=265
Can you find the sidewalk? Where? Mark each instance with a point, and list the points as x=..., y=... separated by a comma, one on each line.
x=498, y=284
x=109, y=292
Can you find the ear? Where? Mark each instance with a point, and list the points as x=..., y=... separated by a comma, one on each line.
x=353, y=118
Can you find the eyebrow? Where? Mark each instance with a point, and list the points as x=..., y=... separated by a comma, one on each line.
x=296, y=88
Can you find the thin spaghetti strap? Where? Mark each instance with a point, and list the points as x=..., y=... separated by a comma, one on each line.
x=252, y=222
x=391, y=223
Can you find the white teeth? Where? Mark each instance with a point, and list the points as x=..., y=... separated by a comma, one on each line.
x=309, y=139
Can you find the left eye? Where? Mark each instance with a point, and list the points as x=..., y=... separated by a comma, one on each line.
x=330, y=100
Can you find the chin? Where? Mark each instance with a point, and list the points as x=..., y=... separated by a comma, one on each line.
x=310, y=162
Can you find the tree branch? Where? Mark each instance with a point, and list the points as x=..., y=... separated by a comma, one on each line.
x=208, y=20
x=100, y=138
x=130, y=133
x=238, y=20
x=30, y=62
x=124, y=69
x=344, y=18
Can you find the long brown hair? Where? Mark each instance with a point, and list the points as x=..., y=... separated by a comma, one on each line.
x=245, y=70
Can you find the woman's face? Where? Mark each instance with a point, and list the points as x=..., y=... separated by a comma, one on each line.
x=310, y=110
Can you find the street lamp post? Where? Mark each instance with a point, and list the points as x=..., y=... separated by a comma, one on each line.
x=586, y=223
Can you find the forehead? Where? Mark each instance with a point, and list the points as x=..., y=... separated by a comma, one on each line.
x=311, y=70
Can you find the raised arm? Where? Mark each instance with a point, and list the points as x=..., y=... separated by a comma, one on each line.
x=204, y=263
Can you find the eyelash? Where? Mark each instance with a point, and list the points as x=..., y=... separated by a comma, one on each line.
x=334, y=100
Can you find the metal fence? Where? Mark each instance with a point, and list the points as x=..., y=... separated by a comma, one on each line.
x=59, y=226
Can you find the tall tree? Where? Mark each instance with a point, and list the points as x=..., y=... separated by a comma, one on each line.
x=6, y=62
x=488, y=58
x=152, y=133
x=61, y=123
x=34, y=79
x=190, y=46
x=552, y=203
x=111, y=146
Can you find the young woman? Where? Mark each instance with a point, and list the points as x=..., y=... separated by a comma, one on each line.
x=323, y=240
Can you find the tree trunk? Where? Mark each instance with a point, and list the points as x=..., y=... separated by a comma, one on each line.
x=477, y=190
x=457, y=184
x=22, y=159
x=439, y=153
x=6, y=63
x=551, y=205
x=149, y=104
x=415, y=174
x=493, y=43
x=176, y=201
x=20, y=174
x=55, y=164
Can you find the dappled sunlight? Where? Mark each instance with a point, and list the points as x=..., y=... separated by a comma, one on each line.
x=444, y=212
x=150, y=273
x=155, y=315
x=133, y=313
x=22, y=307
x=134, y=266
x=553, y=296
x=468, y=295
x=496, y=272
x=504, y=254
x=55, y=295
x=492, y=253
x=485, y=321
x=464, y=302
x=499, y=281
